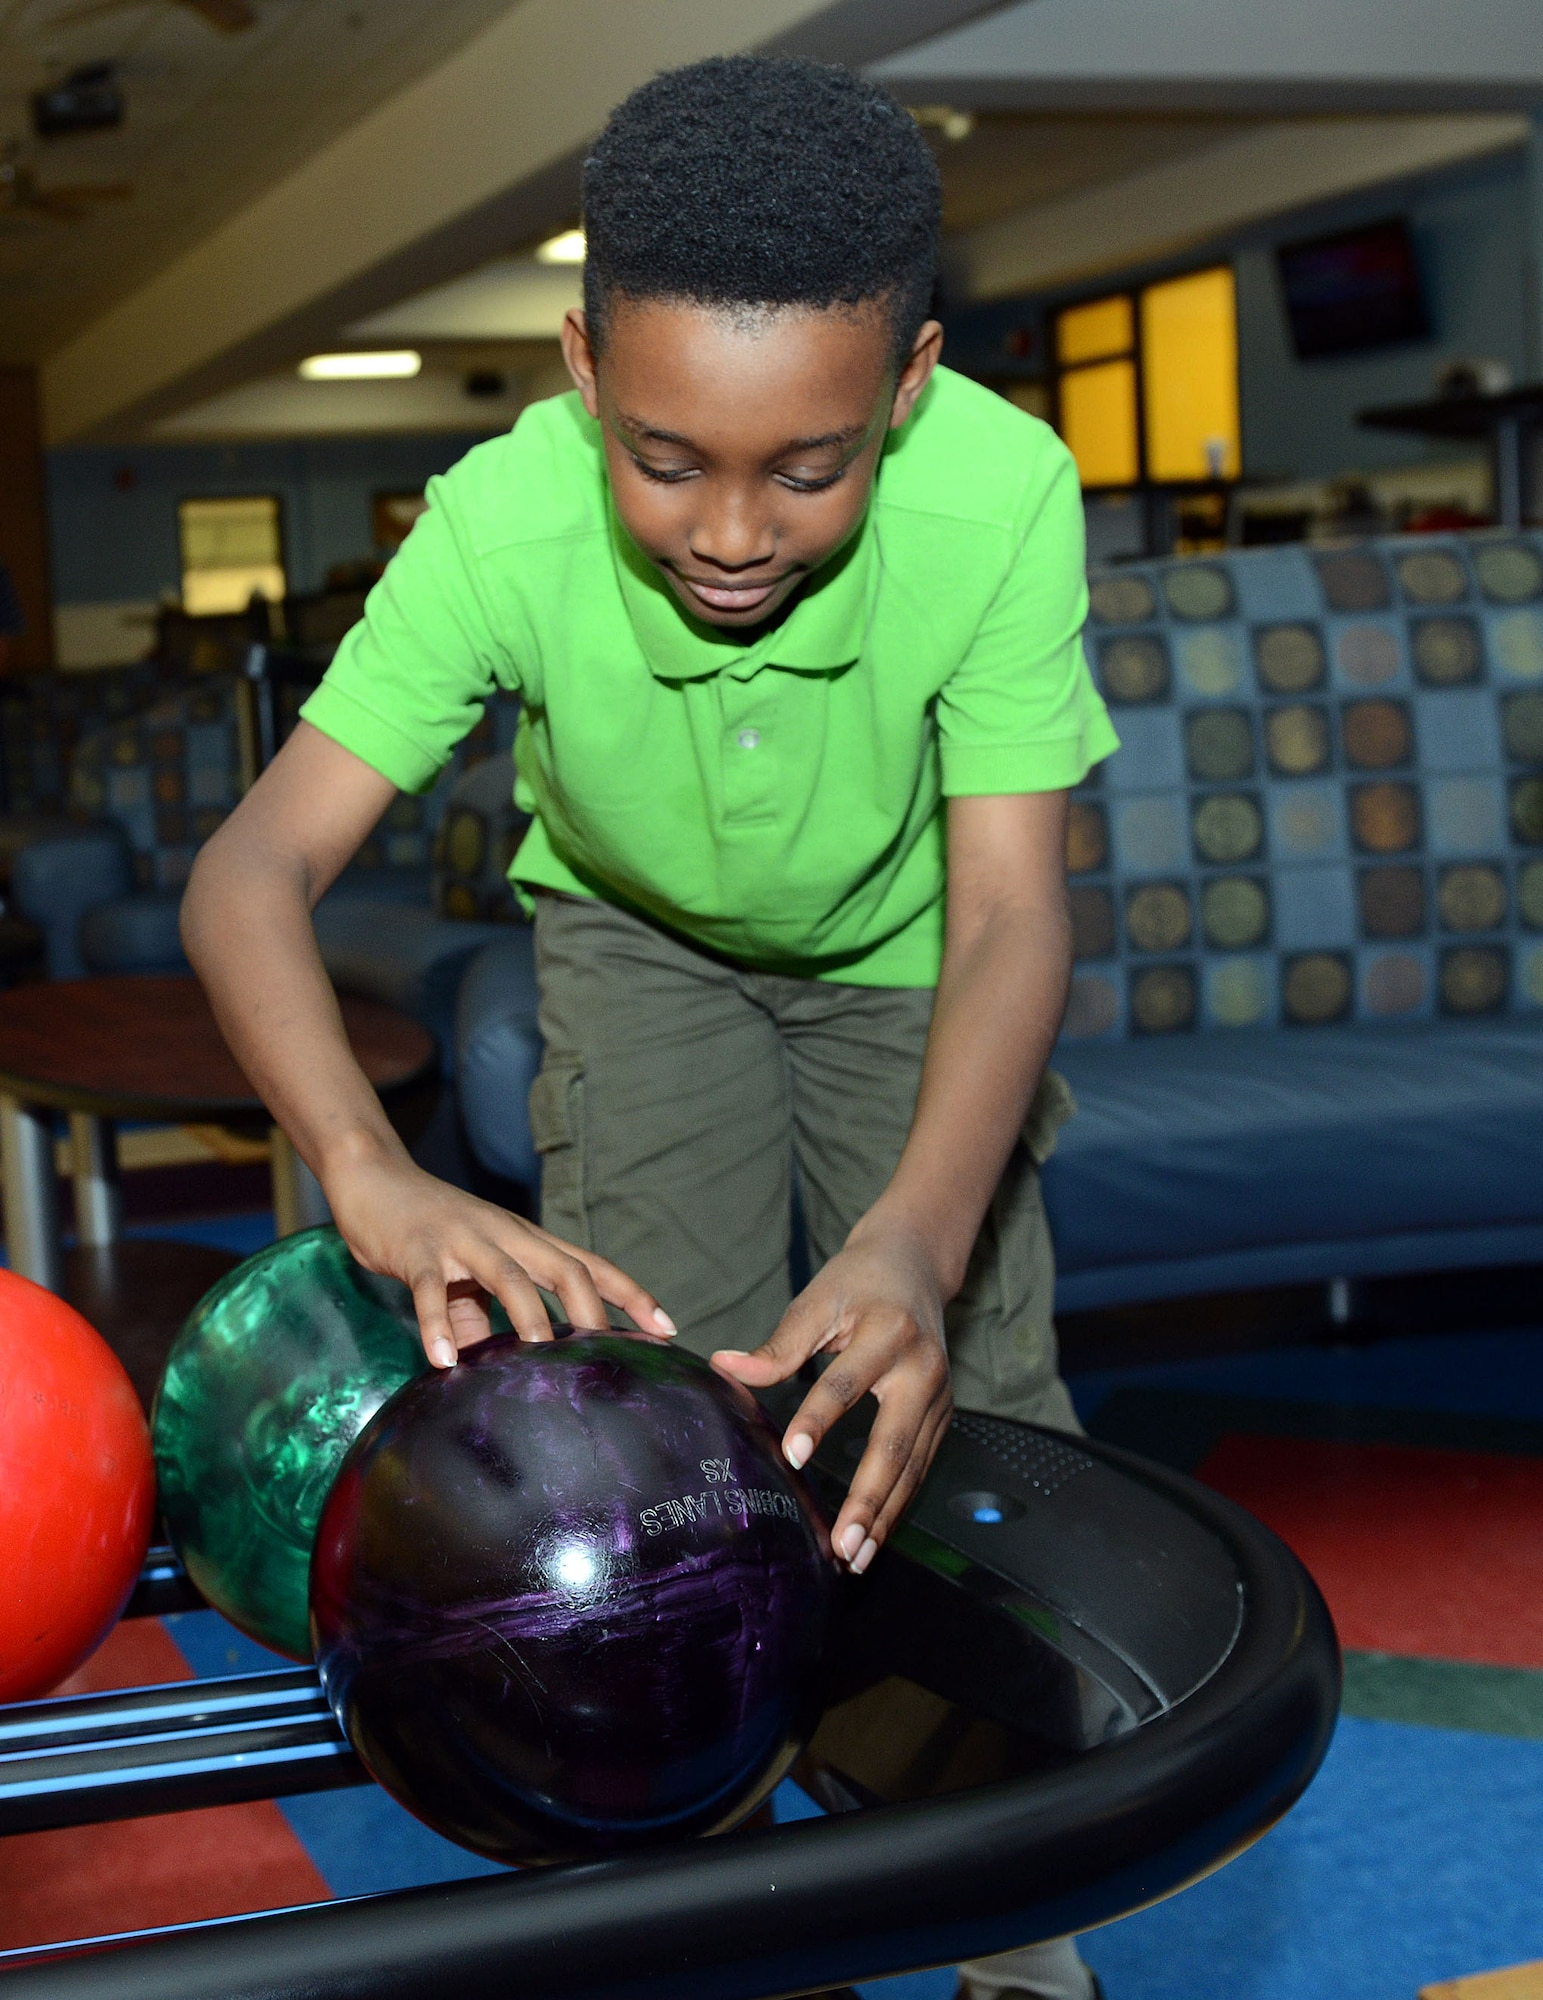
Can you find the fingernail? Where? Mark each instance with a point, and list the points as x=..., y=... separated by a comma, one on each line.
x=864, y=1556
x=799, y=1451
x=444, y=1354
x=663, y=1321
x=851, y=1542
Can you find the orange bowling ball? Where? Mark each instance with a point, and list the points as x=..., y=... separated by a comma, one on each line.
x=77, y=1489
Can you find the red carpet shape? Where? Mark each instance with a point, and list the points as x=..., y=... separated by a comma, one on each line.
x=172, y=1869
x=1437, y=1554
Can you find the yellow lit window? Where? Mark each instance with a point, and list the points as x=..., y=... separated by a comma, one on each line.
x=232, y=549
x=1098, y=422
x=1095, y=331
x=1189, y=377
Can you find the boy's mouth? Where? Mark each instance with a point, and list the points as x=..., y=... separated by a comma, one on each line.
x=731, y=596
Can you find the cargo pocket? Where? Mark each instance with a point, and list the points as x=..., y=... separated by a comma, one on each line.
x=1001, y=1327
x=1053, y=1104
x=557, y=1129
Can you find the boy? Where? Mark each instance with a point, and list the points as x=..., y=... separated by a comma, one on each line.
x=795, y=622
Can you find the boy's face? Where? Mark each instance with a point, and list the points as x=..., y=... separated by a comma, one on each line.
x=742, y=450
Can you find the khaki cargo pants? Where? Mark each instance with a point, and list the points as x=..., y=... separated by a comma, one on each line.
x=678, y=1099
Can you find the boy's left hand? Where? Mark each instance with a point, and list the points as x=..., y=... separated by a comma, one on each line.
x=877, y=1306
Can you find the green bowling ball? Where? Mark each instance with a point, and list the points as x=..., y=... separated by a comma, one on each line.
x=275, y=1374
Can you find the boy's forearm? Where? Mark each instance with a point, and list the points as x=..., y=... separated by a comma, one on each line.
x=246, y=925
x=999, y=1003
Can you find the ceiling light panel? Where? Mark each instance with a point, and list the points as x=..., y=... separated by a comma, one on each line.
x=376, y=365
x=567, y=248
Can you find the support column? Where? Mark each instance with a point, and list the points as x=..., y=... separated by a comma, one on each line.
x=1529, y=451
x=298, y=1200
x=30, y=1192
x=94, y=1171
x=1532, y=249
x=24, y=519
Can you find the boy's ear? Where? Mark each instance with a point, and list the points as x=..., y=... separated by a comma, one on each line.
x=580, y=357
x=916, y=373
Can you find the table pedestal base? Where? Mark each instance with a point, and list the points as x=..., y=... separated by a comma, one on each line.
x=31, y=1197
x=298, y=1200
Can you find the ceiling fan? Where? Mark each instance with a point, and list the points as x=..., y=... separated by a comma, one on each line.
x=229, y=16
x=20, y=193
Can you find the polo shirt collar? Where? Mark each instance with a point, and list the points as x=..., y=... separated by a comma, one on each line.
x=822, y=633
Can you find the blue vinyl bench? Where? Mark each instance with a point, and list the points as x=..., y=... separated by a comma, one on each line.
x=1306, y=1023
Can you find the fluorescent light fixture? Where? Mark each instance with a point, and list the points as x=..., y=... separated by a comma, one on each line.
x=568, y=248
x=376, y=366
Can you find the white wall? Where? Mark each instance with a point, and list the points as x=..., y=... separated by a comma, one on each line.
x=1299, y=416
x=113, y=513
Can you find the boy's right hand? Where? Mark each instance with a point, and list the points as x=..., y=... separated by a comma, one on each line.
x=246, y=923
x=455, y=1252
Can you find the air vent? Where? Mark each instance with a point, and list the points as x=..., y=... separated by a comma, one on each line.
x=1044, y=1463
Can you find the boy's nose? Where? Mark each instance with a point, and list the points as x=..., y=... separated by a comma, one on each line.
x=733, y=538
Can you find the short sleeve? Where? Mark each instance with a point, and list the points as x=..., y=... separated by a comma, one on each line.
x=410, y=679
x=1020, y=712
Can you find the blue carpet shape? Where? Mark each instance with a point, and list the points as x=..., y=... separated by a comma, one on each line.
x=1413, y=1858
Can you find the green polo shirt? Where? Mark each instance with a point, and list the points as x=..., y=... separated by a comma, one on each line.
x=776, y=798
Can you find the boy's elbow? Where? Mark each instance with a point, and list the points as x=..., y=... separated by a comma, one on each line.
x=192, y=915
x=228, y=879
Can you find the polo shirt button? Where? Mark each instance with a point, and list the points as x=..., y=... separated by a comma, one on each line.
x=748, y=738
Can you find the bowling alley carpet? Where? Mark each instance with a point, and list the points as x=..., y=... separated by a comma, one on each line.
x=1409, y=1477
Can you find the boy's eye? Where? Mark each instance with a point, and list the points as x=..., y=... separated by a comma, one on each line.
x=798, y=485
x=665, y=475
x=669, y=475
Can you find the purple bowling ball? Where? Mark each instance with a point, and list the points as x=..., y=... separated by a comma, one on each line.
x=569, y=1599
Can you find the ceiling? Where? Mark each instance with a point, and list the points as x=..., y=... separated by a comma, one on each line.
x=213, y=120
x=505, y=314
x=1013, y=160
x=445, y=397
x=1007, y=161
x=508, y=312
x=216, y=120
x=512, y=298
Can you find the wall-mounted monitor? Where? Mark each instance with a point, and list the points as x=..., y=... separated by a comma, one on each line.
x=1354, y=290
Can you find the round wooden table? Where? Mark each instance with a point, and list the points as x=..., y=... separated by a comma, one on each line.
x=101, y=1050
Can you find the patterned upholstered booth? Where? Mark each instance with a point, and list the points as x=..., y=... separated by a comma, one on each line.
x=42, y=718
x=1306, y=1024
x=165, y=776
x=147, y=789
x=412, y=949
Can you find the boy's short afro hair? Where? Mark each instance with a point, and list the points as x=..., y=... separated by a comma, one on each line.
x=757, y=181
